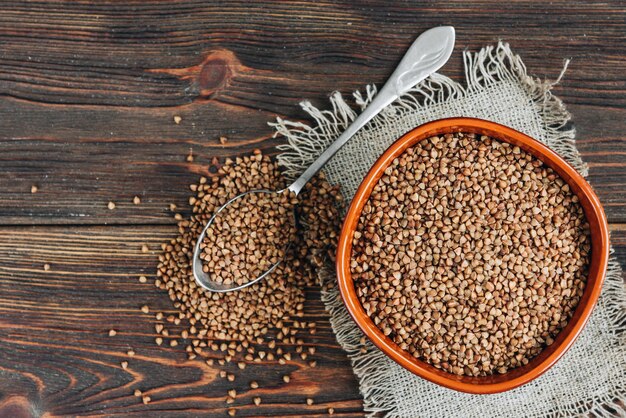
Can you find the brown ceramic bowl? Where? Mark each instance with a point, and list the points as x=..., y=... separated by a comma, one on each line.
x=564, y=340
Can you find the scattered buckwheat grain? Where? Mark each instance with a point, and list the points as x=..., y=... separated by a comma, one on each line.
x=237, y=323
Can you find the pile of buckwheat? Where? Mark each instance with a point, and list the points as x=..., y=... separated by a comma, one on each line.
x=249, y=236
x=470, y=254
x=261, y=322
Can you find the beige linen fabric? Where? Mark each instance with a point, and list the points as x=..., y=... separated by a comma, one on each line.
x=592, y=375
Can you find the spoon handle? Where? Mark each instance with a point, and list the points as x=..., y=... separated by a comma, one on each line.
x=429, y=52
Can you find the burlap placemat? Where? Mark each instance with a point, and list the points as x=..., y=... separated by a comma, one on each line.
x=592, y=375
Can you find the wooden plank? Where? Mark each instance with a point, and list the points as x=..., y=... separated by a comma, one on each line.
x=87, y=97
x=602, y=144
x=78, y=170
x=91, y=53
x=58, y=358
x=618, y=241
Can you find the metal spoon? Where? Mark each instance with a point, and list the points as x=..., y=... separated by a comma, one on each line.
x=430, y=51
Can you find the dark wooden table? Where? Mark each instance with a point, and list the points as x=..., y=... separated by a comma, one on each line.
x=88, y=92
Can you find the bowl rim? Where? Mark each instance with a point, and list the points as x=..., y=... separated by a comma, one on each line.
x=566, y=337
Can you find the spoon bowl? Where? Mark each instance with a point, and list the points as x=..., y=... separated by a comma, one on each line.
x=203, y=278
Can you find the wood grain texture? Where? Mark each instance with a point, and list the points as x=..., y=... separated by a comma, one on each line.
x=88, y=95
x=58, y=358
x=88, y=90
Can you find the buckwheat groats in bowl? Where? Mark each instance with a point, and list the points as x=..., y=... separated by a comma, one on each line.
x=472, y=255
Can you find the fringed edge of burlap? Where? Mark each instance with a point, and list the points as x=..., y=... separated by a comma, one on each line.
x=482, y=69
